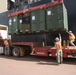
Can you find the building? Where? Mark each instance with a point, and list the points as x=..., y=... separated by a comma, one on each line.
x=3, y=12
x=3, y=18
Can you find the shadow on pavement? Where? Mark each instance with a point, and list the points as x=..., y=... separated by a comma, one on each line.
x=41, y=60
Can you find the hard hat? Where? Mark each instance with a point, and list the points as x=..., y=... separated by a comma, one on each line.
x=70, y=31
x=56, y=39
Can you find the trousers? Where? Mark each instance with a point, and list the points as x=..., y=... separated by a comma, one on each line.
x=59, y=56
x=6, y=50
x=71, y=42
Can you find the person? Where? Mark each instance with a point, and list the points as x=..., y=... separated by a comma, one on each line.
x=59, y=49
x=9, y=38
x=71, y=38
x=6, y=44
x=32, y=52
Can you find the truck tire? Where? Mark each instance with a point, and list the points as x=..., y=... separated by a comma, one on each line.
x=28, y=50
x=7, y=51
x=16, y=51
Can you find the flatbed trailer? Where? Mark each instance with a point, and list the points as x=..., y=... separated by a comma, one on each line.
x=25, y=48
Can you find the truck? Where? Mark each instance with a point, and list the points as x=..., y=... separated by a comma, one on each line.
x=3, y=30
x=33, y=28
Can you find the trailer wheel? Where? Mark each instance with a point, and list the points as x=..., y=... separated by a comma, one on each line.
x=16, y=52
x=27, y=50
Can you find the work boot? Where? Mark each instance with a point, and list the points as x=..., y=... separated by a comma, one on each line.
x=32, y=53
x=60, y=62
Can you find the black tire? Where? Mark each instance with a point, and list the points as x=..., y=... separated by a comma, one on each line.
x=16, y=52
x=28, y=50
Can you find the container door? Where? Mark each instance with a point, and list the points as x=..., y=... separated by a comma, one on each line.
x=38, y=20
x=33, y=21
x=20, y=23
x=15, y=25
x=26, y=22
x=50, y=18
x=58, y=11
x=10, y=25
x=41, y=25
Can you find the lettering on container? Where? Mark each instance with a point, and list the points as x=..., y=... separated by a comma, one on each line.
x=48, y=12
x=33, y=17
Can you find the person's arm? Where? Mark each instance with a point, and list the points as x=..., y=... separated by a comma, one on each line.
x=60, y=37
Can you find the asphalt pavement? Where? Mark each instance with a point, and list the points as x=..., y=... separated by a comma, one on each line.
x=33, y=65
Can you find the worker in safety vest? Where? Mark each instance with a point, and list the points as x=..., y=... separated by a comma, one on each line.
x=71, y=38
x=6, y=42
x=58, y=49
